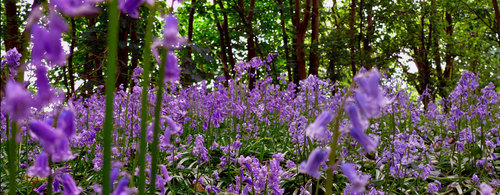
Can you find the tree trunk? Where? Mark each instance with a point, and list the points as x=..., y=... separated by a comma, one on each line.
x=285, y=41
x=497, y=16
x=448, y=56
x=71, y=70
x=135, y=53
x=122, y=69
x=351, y=35
x=301, y=29
x=368, y=35
x=222, y=44
x=313, y=55
x=11, y=38
x=247, y=21
x=227, y=38
x=189, y=63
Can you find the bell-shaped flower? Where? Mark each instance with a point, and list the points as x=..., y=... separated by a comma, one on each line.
x=358, y=127
x=130, y=7
x=171, y=38
x=311, y=166
x=172, y=71
x=122, y=187
x=66, y=123
x=47, y=42
x=369, y=96
x=54, y=141
x=41, y=166
x=70, y=187
x=358, y=182
x=18, y=100
x=318, y=130
x=74, y=8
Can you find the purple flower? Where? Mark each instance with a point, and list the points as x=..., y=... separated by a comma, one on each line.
x=486, y=189
x=121, y=188
x=54, y=141
x=47, y=42
x=130, y=7
x=318, y=130
x=114, y=175
x=45, y=93
x=171, y=33
x=369, y=96
x=12, y=58
x=41, y=166
x=357, y=130
x=18, y=100
x=358, y=182
x=76, y=7
x=172, y=71
x=433, y=188
x=66, y=122
x=70, y=187
x=40, y=188
x=316, y=158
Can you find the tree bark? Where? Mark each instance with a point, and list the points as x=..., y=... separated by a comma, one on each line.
x=185, y=77
x=301, y=29
x=135, y=53
x=313, y=54
x=247, y=21
x=368, y=35
x=223, y=52
x=285, y=41
x=351, y=36
x=497, y=16
x=71, y=70
x=122, y=68
x=227, y=38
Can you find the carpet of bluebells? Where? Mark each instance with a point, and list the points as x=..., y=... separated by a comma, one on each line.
x=220, y=137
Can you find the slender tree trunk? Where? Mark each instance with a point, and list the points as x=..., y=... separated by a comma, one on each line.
x=11, y=38
x=71, y=70
x=351, y=35
x=135, y=53
x=227, y=37
x=122, y=68
x=285, y=41
x=368, y=36
x=361, y=56
x=301, y=29
x=189, y=63
x=448, y=56
x=497, y=16
x=247, y=21
x=223, y=52
x=313, y=56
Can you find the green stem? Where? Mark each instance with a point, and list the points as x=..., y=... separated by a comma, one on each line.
x=159, y=99
x=145, y=104
x=334, y=143
x=112, y=58
x=12, y=159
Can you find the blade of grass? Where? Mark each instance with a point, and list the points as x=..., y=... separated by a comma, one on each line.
x=112, y=57
x=145, y=104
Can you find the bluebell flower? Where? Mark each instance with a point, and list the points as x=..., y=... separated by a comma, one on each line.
x=172, y=70
x=41, y=166
x=311, y=166
x=70, y=187
x=358, y=182
x=358, y=127
x=130, y=7
x=76, y=7
x=18, y=100
x=318, y=130
x=121, y=188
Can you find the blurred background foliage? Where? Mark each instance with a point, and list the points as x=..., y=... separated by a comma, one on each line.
x=425, y=43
